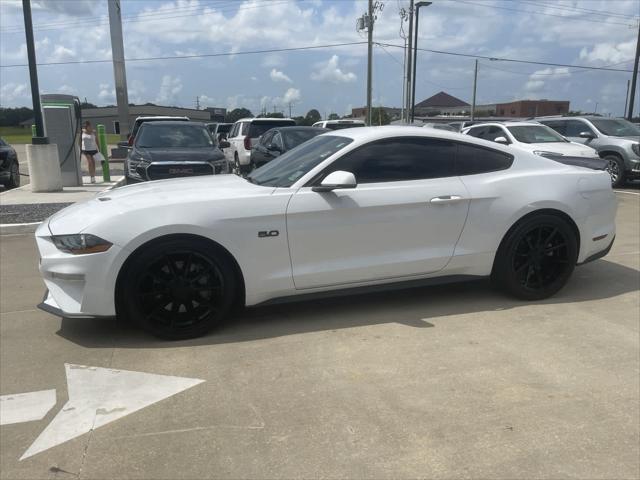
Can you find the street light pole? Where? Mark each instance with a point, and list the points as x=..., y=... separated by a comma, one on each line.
x=421, y=3
x=370, y=60
x=475, y=86
x=410, y=46
x=634, y=78
x=39, y=138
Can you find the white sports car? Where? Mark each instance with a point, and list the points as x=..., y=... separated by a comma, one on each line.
x=355, y=208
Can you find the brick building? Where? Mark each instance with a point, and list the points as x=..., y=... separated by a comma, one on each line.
x=532, y=108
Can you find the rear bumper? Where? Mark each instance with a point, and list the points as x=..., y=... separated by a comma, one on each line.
x=599, y=254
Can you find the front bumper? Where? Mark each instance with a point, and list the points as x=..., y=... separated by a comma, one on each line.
x=80, y=286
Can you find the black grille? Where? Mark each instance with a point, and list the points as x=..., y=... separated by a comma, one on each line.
x=173, y=170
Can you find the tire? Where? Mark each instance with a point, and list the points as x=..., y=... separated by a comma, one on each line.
x=14, y=176
x=615, y=167
x=237, y=168
x=178, y=288
x=536, y=257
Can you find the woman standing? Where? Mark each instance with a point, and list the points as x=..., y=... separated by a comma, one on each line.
x=89, y=148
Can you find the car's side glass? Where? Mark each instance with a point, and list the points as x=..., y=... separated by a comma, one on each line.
x=398, y=159
x=245, y=128
x=234, y=130
x=477, y=132
x=471, y=160
x=277, y=140
x=266, y=139
x=574, y=127
x=492, y=133
x=559, y=127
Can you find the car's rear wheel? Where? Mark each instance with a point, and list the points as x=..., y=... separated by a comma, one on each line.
x=536, y=258
x=178, y=289
x=615, y=167
x=237, y=169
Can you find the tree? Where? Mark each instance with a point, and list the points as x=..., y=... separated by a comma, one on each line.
x=333, y=116
x=11, y=117
x=236, y=114
x=312, y=117
x=88, y=105
x=299, y=120
x=379, y=116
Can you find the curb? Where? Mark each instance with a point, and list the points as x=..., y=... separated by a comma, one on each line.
x=18, y=228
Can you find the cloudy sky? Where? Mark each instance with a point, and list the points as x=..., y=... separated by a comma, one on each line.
x=576, y=32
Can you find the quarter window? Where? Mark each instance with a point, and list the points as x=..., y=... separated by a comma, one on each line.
x=472, y=160
x=277, y=140
x=245, y=128
x=398, y=159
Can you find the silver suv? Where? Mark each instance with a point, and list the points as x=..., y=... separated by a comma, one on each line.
x=616, y=140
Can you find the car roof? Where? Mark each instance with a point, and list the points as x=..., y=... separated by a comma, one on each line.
x=161, y=117
x=343, y=121
x=505, y=124
x=265, y=119
x=172, y=122
x=303, y=128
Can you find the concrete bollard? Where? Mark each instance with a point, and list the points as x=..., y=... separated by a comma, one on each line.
x=44, y=168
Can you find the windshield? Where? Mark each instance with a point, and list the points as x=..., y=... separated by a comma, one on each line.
x=258, y=128
x=174, y=136
x=290, y=166
x=340, y=126
x=293, y=138
x=535, y=134
x=617, y=127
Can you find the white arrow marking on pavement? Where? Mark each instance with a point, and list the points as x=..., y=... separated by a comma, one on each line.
x=26, y=407
x=98, y=396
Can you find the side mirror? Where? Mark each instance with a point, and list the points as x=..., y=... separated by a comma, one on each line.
x=224, y=144
x=335, y=181
x=587, y=135
x=501, y=140
x=272, y=147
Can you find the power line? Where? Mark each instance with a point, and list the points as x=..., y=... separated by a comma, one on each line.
x=578, y=9
x=534, y=74
x=503, y=59
x=158, y=16
x=533, y=12
x=202, y=55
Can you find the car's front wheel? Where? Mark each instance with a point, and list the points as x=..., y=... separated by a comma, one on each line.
x=14, y=176
x=615, y=167
x=178, y=288
x=536, y=258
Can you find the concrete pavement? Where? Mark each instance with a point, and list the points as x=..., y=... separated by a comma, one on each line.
x=442, y=382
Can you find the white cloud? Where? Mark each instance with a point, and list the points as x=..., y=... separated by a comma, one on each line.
x=279, y=76
x=170, y=87
x=67, y=89
x=609, y=52
x=61, y=54
x=75, y=8
x=537, y=80
x=13, y=91
x=292, y=95
x=107, y=94
x=272, y=60
x=330, y=72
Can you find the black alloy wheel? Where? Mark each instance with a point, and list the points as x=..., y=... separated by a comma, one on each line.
x=537, y=258
x=14, y=176
x=180, y=290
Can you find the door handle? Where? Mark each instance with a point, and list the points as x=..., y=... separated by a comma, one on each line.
x=446, y=199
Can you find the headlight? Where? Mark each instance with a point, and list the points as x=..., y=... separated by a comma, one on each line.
x=80, y=244
x=544, y=153
x=636, y=148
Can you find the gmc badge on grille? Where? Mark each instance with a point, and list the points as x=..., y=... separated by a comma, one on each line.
x=180, y=171
x=270, y=233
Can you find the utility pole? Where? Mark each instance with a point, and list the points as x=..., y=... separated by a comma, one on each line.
x=626, y=99
x=408, y=105
x=39, y=139
x=634, y=79
x=289, y=109
x=420, y=3
x=475, y=85
x=369, y=59
x=197, y=103
x=119, y=70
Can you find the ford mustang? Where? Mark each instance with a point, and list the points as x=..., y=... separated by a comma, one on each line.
x=347, y=210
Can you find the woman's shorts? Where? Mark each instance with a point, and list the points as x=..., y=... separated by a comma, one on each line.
x=90, y=152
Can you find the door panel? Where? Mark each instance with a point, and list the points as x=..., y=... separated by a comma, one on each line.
x=375, y=231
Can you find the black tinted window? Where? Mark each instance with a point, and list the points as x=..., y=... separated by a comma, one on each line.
x=258, y=128
x=477, y=132
x=492, y=133
x=160, y=135
x=266, y=138
x=575, y=127
x=472, y=160
x=559, y=127
x=398, y=159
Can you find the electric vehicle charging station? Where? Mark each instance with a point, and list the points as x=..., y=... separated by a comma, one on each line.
x=62, y=124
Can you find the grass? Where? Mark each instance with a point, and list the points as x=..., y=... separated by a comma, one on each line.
x=18, y=135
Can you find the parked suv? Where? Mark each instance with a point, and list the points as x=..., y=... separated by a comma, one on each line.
x=615, y=139
x=140, y=120
x=244, y=134
x=339, y=124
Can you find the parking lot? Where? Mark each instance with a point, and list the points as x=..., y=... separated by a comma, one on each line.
x=439, y=382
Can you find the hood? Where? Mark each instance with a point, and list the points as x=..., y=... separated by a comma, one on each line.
x=174, y=192
x=566, y=148
x=181, y=154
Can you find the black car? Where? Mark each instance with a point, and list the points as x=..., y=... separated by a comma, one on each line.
x=173, y=149
x=9, y=167
x=279, y=140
